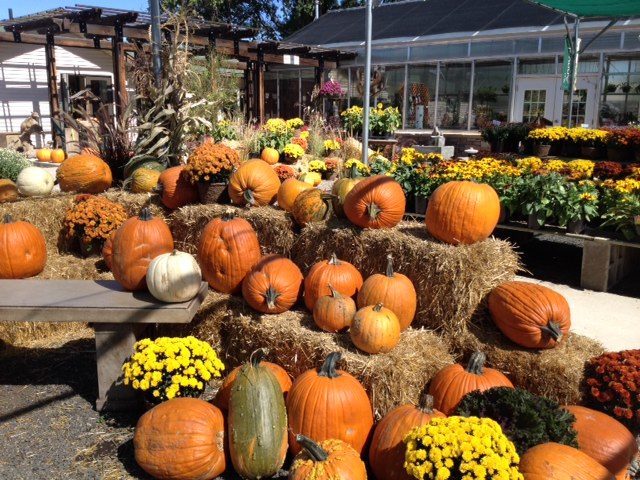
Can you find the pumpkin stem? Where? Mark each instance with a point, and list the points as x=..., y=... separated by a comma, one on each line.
x=476, y=363
x=373, y=211
x=389, y=271
x=334, y=293
x=315, y=451
x=353, y=171
x=334, y=260
x=229, y=214
x=553, y=330
x=145, y=214
x=328, y=368
x=271, y=295
x=425, y=404
x=257, y=356
x=249, y=198
x=378, y=306
x=8, y=218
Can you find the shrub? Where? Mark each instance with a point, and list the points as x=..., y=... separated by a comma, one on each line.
x=12, y=163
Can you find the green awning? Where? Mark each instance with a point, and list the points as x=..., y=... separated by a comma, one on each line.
x=595, y=8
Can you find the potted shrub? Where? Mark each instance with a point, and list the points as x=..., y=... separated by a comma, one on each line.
x=579, y=206
x=495, y=135
x=318, y=166
x=624, y=215
x=542, y=198
x=611, y=88
x=209, y=167
x=352, y=120
x=383, y=122
x=625, y=87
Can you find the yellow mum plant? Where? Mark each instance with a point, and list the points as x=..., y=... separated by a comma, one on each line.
x=92, y=219
x=294, y=123
x=166, y=368
x=331, y=145
x=529, y=164
x=362, y=168
x=317, y=166
x=294, y=151
x=461, y=448
x=549, y=134
x=581, y=169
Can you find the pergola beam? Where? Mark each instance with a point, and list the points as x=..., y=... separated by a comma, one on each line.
x=61, y=41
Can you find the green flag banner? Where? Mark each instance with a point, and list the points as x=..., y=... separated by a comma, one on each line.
x=566, y=65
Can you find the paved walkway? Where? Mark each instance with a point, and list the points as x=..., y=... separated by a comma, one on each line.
x=614, y=320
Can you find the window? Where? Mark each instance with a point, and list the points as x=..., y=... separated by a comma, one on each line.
x=389, y=89
x=491, y=88
x=579, y=109
x=534, y=105
x=455, y=83
x=537, y=67
x=421, y=96
x=621, y=92
x=271, y=94
x=289, y=90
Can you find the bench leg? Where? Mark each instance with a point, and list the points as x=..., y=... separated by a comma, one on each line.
x=114, y=344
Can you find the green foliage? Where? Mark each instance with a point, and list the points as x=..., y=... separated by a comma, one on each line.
x=526, y=419
x=624, y=215
x=12, y=163
x=543, y=196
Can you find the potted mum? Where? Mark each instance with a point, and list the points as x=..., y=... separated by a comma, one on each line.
x=318, y=166
x=383, y=122
x=579, y=207
x=541, y=142
x=209, y=167
x=619, y=144
x=352, y=120
x=292, y=153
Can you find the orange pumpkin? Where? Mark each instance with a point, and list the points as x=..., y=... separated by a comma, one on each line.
x=394, y=290
x=8, y=190
x=386, y=454
x=329, y=404
x=274, y=285
x=334, y=312
x=270, y=155
x=107, y=250
x=224, y=392
x=84, y=174
x=554, y=461
x=254, y=183
x=138, y=241
x=57, y=155
x=289, y=191
x=375, y=329
x=453, y=382
x=462, y=212
x=533, y=316
x=228, y=250
x=175, y=189
x=344, y=277
x=604, y=439
x=327, y=460
x=375, y=202
x=43, y=154
x=311, y=206
x=181, y=439
x=23, y=252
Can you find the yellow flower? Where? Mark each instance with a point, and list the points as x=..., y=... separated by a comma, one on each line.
x=294, y=151
x=304, y=134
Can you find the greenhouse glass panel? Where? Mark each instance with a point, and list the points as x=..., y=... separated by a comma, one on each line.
x=421, y=96
x=491, y=88
x=455, y=83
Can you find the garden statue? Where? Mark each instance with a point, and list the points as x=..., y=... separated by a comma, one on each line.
x=437, y=138
x=30, y=126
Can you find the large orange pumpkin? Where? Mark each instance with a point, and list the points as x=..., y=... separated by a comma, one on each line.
x=341, y=275
x=289, y=191
x=554, y=461
x=138, y=241
x=327, y=460
x=222, y=397
x=8, y=190
x=274, y=285
x=107, y=250
x=394, y=290
x=533, y=316
x=254, y=183
x=181, y=439
x=270, y=155
x=329, y=403
x=23, y=252
x=462, y=212
x=228, y=250
x=453, y=382
x=386, y=454
x=375, y=202
x=335, y=312
x=604, y=439
x=311, y=206
x=375, y=329
x=175, y=189
x=84, y=174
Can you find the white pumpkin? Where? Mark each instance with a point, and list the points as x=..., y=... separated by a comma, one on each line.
x=34, y=181
x=174, y=277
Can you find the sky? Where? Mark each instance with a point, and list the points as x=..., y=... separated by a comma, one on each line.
x=25, y=7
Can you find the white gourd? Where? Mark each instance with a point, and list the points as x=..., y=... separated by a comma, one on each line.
x=174, y=277
x=34, y=181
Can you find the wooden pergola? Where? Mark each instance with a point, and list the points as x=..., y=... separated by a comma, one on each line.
x=120, y=31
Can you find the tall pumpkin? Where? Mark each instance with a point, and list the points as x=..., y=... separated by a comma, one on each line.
x=327, y=460
x=254, y=183
x=340, y=274
x=84, y=174
x=23, y=252
x=386, y=454
x=257, y=422
x=341, y=188
x=533, y=316
x=311, y=206
x=181, y=439
x=329, y=403
x=554, y=461
x=8, y=190
x=462, y=212
x=175, y=189
x=375, y=202
x=289, y=191
x=227, y=251
x=604, y=439
x=274, y=285
x=138, y=241
x=394, y=290
x=452, y=383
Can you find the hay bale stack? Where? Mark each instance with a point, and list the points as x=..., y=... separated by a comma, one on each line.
x=450, y=281
x=274, y=227
x=555, y=373
x=293, y=342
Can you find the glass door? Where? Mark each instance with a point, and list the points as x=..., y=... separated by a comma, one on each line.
x=535, y=98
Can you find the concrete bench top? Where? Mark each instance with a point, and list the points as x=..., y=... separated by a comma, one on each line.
x=93, y=301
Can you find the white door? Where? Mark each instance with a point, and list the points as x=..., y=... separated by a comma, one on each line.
x=535, y=96
x=584, y=102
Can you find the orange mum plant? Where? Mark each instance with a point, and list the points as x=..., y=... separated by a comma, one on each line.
x=92, y=219
x=211, y=162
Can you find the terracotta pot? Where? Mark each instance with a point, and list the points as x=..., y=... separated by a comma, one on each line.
x=616, y=154
x=213, y=193
x=590, y=152
x=542, y=150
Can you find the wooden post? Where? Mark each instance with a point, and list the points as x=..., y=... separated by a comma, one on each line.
x=57, y=132
x=259, y=88
x=119, y=71
x=248, y=77
x=319, y=71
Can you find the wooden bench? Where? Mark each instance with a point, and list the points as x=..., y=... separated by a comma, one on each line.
x=119, y=319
